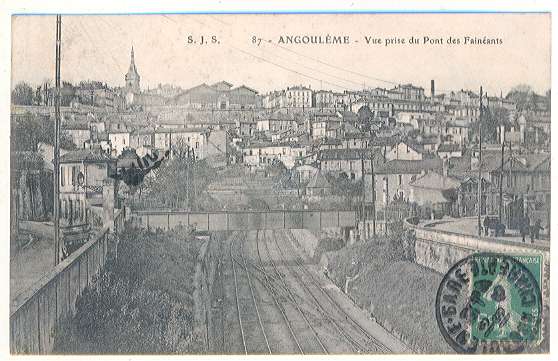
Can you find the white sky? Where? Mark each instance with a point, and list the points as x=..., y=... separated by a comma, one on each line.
x=98, y=48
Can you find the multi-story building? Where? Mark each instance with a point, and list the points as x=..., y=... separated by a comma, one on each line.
x=220, y=96
x=78, y=131
x=325, y=125
x=142, y=140
x=260, y=154
x=274, y=100
x=405, y=151
x=393, y=178
x=524, y=175
x=299, y=97
x=119, y=139
x=347, y=161
x=328, y=99
x=246, y=127
x=277, y=123
x=186, y=138
x=456, y=132
x=81, y=183
x=407, y=92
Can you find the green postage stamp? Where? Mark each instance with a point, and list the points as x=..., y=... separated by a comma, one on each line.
x=492, y=303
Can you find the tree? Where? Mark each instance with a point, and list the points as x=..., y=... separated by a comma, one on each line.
x=29, y=129
x=67, y=93
x=364, y=114
x=181, y=148
x=523, y=96
x=22, y=94
x=494, y=118
x=343, y=186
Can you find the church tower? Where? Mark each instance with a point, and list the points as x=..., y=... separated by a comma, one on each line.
x=132, y=77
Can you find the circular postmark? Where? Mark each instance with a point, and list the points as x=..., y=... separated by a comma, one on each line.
x=489, y=303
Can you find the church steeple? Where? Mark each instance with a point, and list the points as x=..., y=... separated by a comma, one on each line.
x=132, y=77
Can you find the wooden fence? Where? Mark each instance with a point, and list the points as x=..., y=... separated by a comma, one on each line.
x=37, y=314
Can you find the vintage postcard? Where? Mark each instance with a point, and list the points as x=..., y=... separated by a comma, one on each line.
x=335, y=183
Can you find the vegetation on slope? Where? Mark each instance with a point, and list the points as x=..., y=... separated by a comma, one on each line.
x=142, y=302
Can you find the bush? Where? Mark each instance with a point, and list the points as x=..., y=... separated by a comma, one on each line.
x=327, y=245
x=142, y=302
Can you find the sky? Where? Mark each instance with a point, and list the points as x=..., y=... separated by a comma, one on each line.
x=98, y=48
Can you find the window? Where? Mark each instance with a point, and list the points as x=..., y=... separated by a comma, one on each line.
x=71, y=212
x=400, y=179
x=62, y=173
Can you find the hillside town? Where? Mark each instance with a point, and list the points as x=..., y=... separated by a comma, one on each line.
x=413, y=147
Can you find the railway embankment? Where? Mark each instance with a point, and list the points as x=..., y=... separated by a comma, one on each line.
x=143, y=302
x=380, y=276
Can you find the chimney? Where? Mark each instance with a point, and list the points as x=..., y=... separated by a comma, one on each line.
x=432, y=91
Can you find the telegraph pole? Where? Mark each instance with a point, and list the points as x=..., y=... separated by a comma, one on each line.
x=479, y=189
x=373, y=194
x=500, y=205
x=363, y=188
x=188, y=178
x=56, y=210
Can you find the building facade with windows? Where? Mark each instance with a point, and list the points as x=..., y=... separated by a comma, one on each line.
x=81, y=184
x=299, y=97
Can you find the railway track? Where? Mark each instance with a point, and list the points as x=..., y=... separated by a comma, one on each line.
x=321, y=348
x=250, y=336
x=307, y=313
x=354, y=345
x=220, y=299
x=370, y=341
x=273, y=293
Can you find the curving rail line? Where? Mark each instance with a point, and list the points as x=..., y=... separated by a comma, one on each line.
x=317, y=304
x=253, y=297
x=371, y=339
x=293, y=299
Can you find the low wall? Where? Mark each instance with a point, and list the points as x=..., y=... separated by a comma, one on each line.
x=36, y=314
x=440, y=250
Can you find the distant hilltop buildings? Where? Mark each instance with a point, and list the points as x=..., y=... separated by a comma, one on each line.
x=221, y=95
x=421, y=145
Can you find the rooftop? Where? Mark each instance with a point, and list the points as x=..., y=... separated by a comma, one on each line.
x=402, y=166
x=84, y=155
x=449, y=147
x=319, y=181
x=436, y=181
x=347, y=154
